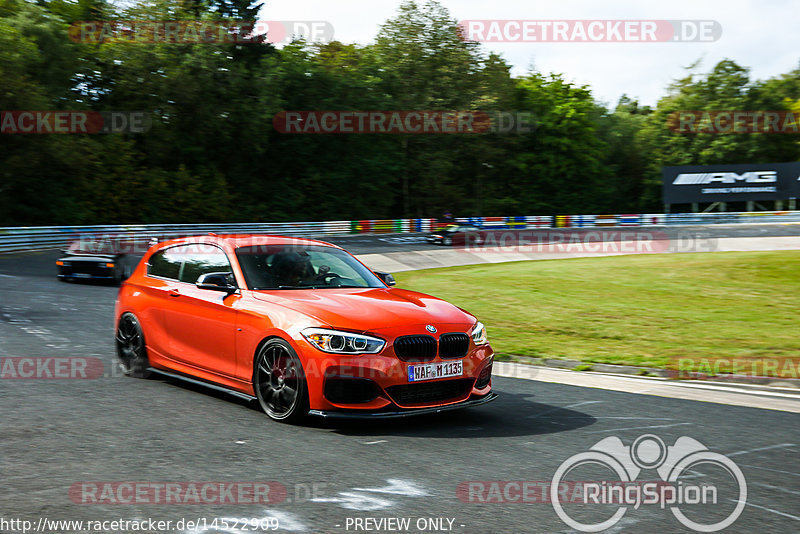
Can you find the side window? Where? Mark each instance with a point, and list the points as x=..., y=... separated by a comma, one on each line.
x=165, y=264
x=203, y=260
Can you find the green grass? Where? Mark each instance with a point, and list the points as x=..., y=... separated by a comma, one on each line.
x=646, y=310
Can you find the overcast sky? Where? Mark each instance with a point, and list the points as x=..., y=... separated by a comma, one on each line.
x=761, y=35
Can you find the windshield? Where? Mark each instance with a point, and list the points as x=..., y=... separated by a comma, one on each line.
x=311, y=267
x=92, y=247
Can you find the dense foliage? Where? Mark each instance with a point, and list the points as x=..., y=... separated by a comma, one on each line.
x=212, y=153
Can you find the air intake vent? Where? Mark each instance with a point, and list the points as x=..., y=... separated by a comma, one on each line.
x=431, y=392
x=350, y=390
x=415, y=348
x=453, y=345
x=485, y=377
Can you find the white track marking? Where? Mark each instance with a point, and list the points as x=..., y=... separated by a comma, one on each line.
x=558, y=408
x=398, y=487
x=778, y=512
x=780, y=446
x=626, y=417
x=777, y=488
x=692, y=474
x=783, y=400
x=637, y=428
x=769, y=469
x=287, y=521
x=361, y=500
x=357, y=501
x=374, y=442
x=28, y=326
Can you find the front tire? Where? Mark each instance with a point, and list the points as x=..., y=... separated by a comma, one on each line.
x=279, y=382
x=131, y=349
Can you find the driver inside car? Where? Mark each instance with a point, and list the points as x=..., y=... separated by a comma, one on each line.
x=292, y=269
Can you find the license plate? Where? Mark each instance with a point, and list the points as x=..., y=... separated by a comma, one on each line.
x=81, y=275
x=431, y=371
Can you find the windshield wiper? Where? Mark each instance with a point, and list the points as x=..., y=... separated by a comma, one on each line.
x=296, y=287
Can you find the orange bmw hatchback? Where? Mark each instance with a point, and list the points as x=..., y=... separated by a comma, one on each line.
x=300, y=325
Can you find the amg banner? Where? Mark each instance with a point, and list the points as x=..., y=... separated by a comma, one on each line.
x=731, y=183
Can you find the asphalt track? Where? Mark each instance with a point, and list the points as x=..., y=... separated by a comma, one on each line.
x=55, y=434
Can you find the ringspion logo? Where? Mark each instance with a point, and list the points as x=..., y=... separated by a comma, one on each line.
x=690, y=503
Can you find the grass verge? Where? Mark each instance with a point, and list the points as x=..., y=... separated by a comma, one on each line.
x=646, y=310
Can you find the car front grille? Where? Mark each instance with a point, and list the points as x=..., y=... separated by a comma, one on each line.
x=453, y=345
x=423, y=348
x=415, y=348
x=430, y=392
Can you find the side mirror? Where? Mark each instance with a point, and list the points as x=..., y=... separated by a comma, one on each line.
x=216, y=282
x=387, y=278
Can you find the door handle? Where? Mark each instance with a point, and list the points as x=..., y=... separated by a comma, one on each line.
x=174, y=293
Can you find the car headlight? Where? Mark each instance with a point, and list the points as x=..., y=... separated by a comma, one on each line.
x=342, y=342
x=479, y=334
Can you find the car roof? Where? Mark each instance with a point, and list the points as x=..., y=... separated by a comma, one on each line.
x=244, y=240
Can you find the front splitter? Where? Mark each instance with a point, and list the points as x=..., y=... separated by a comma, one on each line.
x=403, y=413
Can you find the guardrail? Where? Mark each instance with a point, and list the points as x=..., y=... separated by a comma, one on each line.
x=22, y=238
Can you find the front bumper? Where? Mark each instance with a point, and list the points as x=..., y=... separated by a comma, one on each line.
x=97, y=270
x=85, y=276
x=382, y=383
x=342, y=415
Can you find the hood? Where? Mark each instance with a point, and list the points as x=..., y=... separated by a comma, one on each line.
x=368, y=309
x=88, y=258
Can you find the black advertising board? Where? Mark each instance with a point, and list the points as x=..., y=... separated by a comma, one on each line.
x=731, y=183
